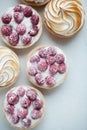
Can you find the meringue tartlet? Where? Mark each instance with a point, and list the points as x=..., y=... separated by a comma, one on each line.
x=64, y=18
x=20, y=26
x=9, y=67
x=47, y=67
x=24, y=107
x=35, y=2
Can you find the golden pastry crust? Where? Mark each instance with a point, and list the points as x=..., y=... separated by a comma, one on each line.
x=9, y=67
x=39, y=121
x=64, y=18
x=30, y=78
x=37, y=37
x=35, y=4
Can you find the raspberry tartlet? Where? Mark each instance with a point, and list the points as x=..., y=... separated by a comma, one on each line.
x=21, y=26
x=9, y=67
x=47, y=67
x=24, y=107
x=64, y=18
x=35, y=2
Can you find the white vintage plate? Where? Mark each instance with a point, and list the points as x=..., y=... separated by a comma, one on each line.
x=67, y=104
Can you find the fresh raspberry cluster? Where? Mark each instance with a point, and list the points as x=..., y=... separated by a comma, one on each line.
x=47, y=59
x=27, y=100
x=21, y=33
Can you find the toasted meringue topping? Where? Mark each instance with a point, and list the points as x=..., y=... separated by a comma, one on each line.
x=64, y=17
x=9, y=67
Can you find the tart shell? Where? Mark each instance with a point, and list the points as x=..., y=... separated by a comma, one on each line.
x=49, y=29
x=38, y=122
x=44, y=86
x=32, y=42
x=16, y=77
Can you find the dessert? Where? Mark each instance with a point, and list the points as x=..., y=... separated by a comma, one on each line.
x=46, y=67
x=35, y=2
x=64, y=18
x=21, y=26
x=9, y=67
x=24, y=107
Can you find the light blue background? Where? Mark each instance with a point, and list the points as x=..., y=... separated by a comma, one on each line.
x=67, y=104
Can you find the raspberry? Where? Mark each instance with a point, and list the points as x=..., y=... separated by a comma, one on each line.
x=26, y=122
x=34, y=58
x=12, y=98
x=26, y=39
x=22, y=113
x=50, y=80
x=53, y=69
x=25, y=103
x=21, y=92
x=6, y=18
x=35, y=114
x=27, y=11
x=42, y=66
x=34, y=19
x=15, y=119
x=32, y=71
x=39, y=79
x=50, y=59
x=34, y=31
x=31, y=94
x=43, y=53
x=13, y=39
x=60, y=58
x=62, y=68
x=37, y=104
x=18, y=17
x=51, y=51
x=9, y=109
x=6, y=30
x=21, y=29
x=18, y=8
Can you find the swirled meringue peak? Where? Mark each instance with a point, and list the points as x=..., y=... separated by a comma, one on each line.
x=64, y=18
x=9, y=67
